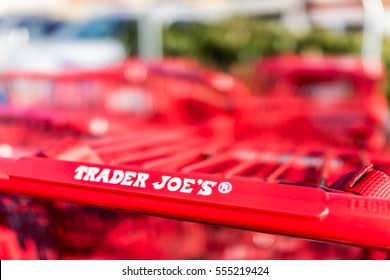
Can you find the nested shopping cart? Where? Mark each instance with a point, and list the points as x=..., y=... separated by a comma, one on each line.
x=337, y=100
x=186, y=155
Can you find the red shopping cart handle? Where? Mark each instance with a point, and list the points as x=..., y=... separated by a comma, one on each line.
x=307, y=212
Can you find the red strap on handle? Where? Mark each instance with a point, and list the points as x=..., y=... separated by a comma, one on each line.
x=365, y=181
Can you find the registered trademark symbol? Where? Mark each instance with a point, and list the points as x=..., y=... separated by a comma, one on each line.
x=225, y=187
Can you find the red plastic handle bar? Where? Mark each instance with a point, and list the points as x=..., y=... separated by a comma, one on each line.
x=307, y=212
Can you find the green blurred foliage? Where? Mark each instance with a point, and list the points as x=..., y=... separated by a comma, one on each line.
x=129, y=38
x=241, y=40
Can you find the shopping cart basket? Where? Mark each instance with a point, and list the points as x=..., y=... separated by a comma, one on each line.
x=168, y=90
x=336, y=100
x=164, y=168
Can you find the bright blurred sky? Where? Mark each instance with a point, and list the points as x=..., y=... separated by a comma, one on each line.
x=59, y=6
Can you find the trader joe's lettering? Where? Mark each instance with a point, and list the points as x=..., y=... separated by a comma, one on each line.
x=184, y=185
x=106, y=175
x=138, y=179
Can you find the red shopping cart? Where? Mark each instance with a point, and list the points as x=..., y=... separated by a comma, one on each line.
x=334, y=100
x=166, y=165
